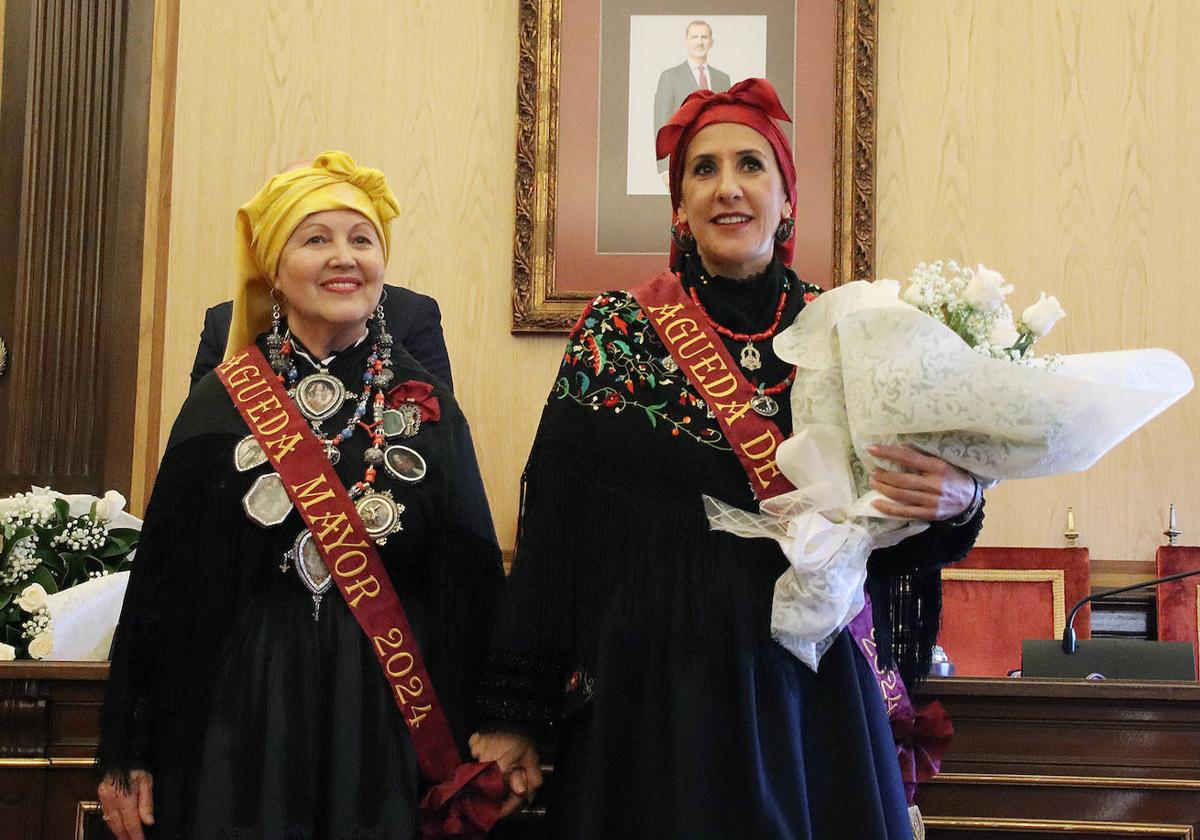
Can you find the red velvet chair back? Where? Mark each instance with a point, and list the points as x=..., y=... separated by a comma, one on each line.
x=1178, y=619
x=998, y=597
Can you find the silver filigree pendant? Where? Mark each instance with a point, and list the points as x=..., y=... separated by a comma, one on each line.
x=764, y=405
x=311, y=569
x=405, y=464
x=751, y=359
x=319, y=396
x=380, y=514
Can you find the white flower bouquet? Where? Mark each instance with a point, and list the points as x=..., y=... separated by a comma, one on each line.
x=64, y=562
x=947, y=370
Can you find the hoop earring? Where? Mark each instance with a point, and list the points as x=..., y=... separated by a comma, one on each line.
x=784, y=232
x=681, y=235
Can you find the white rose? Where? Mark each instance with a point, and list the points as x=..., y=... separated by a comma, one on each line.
x=986, y=288
x=7, y=652
x=42, y=645
x=33, y=598
x=914, y=295
x=108, y=507
x=1003, y=334
x=1040, y=318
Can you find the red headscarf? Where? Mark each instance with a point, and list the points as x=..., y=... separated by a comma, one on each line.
x=752, y=103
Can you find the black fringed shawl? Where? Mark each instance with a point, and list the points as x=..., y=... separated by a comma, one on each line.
x=204, y=573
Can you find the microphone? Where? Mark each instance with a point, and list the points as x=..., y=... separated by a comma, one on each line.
x=1069, y=644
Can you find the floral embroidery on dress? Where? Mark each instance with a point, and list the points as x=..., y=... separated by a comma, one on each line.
x=615, y=360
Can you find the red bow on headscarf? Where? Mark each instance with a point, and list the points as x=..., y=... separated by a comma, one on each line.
x=752, y=103
x=419, y=393
x=753, y=93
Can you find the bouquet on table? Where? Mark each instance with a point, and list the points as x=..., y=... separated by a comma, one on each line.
x=946, y=369
x=64, y=564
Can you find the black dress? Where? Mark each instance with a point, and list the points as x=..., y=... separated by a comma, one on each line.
x=635, y=642
x=256, y=720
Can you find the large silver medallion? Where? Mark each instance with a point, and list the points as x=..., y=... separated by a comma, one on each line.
x=248, y=454
x=405, y=464
x=311, y=569
x=319, y=396
x=750, y=359
x=267, y=502
x=380, y=514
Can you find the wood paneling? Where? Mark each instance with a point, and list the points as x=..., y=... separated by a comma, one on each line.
x=1049, y=758
x=73, y=140
x=1054, y=140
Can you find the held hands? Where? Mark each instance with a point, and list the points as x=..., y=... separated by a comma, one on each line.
x=933, y=491
x=126, y=809
x=519, y=762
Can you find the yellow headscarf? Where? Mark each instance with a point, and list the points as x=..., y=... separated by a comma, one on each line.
x=331, y=182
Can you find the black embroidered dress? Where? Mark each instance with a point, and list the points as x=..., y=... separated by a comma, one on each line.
x=636, y=641
x=255, y=720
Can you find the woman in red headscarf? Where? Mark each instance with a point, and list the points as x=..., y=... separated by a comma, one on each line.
x=634, y=640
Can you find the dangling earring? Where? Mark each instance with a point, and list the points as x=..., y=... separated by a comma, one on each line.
x=785, y=230
x=681, y=235
x=279, y=363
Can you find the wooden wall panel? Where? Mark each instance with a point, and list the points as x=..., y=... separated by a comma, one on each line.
x=74, y=159
x=1055, y=142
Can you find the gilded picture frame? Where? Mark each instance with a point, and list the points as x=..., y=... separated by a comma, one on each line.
x=838, y=132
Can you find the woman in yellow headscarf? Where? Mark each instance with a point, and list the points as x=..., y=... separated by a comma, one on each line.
x=246, y=696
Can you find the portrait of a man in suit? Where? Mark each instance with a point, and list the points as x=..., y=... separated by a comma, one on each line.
x=695, y=73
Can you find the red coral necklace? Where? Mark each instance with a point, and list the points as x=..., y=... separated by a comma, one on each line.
x=763, y=402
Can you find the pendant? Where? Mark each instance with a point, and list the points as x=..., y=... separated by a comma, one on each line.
x=311, y=569
x=764, y=404
x=394, y=423
x=380, y=514
x=319, y=396
x=332, y=453
x=750, y=359
x=669, y=364
x=405, y=464
x=248, y=454
x=412, y=418
x=267, y=502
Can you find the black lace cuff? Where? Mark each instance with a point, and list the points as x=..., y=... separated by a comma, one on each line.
x=519, y=694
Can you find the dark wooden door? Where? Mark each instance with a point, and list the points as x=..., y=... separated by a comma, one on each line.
x=73, y=129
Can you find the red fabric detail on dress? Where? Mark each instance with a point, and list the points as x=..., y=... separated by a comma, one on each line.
x=921, y=741
x=419, y=393
x=465, y=806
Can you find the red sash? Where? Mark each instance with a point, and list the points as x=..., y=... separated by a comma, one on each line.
x=921, y=736
x=701, y=355
x=466, y=797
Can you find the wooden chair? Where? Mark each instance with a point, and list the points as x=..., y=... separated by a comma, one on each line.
x=998, y=597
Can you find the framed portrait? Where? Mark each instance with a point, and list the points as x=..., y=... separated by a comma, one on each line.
x=596, y=79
